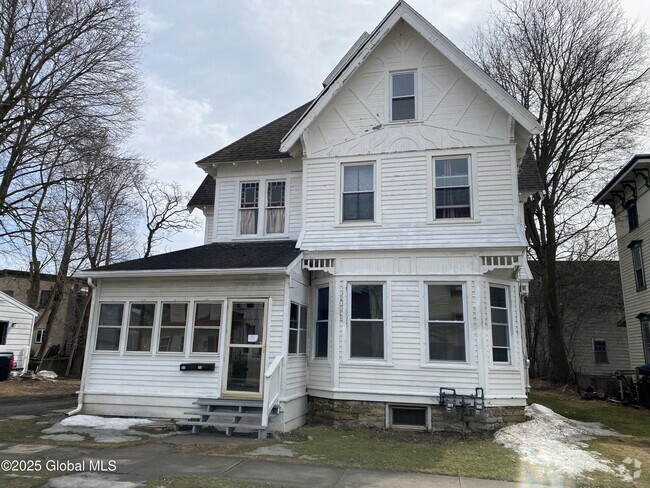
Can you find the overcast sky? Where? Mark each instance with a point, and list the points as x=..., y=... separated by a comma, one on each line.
x=215, y=70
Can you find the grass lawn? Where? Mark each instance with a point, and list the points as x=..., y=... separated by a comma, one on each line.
x=14, y=388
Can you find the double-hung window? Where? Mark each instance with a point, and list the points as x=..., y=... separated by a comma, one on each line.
x=172, y=327
x=452, y=188
x=321, y=334
x=358, y=192
x=600, y=351
x=140, y=331
x=275, y=206
x=645, y=335
x=207, y=324
x=367, y=321
x=298, y=329
x=40, y=336
x=632, y=215
x=500, y=317
x=446, y=323
x=637, y=265
x=402, y=100
x=109, y=326
x=249, y=207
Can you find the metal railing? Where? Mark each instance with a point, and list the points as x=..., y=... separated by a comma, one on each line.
x=272, y=388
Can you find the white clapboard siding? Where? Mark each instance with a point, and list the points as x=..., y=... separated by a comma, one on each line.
x=296, y=376
x=226, y=211
x=19, y=333
x=209, y=226
x=404, y=190
x=406, y=323
x=123, y=373
x=451, y=110
x=320, y=374
x=495, y=188
x=320, y=192
x=295, y=206
x=504, y=381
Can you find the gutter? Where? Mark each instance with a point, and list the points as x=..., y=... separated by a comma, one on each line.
x=179, y=273
x=84, y=373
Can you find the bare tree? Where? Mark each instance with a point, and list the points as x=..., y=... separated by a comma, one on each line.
x=581, y=67
x=166, y=214
x=65, y=65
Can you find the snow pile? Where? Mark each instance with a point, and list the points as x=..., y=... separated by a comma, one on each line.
x=553, y=441
x=47, y=375
x=111, y=423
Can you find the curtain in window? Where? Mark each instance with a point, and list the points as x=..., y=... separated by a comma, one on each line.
x=274, y=220
x=248, y=221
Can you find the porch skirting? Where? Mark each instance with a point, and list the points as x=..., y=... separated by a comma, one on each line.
x=348, y=414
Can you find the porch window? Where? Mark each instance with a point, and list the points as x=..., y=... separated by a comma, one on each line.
x=637, y=265
x=275, y=207
x=109, y=326
x=140, y=327
x=600, y=351
x=500, y=324
x=248, y=208
x=446, y=323
x=402, y=106
x=298, y=329
x=207, y=324
x=322, y=322
x=367, y=321
x=452, y=193
x=172, y=327
x=358, y=192
x=4, y=327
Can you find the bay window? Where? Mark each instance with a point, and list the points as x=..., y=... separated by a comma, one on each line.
x=500, y=318
x=367, y=321
x=321, y=332
x=446, y=324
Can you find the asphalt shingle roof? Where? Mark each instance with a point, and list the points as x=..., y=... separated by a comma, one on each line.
x=529, y=177
x=218, y=255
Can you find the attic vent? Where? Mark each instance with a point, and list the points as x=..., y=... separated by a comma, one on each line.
x=319, y=264
x=489, y=263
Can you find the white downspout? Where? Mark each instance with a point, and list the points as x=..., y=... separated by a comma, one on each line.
x=91, y=316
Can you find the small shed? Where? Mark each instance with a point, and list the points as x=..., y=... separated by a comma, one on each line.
x=16, y=329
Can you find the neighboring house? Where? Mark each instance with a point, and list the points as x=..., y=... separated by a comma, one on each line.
x=362, y=252
x=628, y=195
x=591, y=300
x=15, y=283
x=16, y=326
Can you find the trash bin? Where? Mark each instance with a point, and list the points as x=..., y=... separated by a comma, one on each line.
x=6, y=365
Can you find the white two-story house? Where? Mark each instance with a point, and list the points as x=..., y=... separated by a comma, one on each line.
x=364, y=260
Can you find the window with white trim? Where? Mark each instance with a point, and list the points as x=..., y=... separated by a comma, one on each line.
x=275, y=206
x=207, y=325
x=140, y=332
x=402, y=99
x=367, y=321
x=500, y=318
x=172, y=327
x=452, y=195
x=298, y=329
x=109, y=326
x=40, y=336
x=321, y=332
x=637, y=265
x=600, y=351
x=4, y=330
x=632, y=215
x=248, y=207
x=645, y=336
x=358, y=197
x=446, y=324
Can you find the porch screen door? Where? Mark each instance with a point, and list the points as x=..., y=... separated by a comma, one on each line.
x=246, y=347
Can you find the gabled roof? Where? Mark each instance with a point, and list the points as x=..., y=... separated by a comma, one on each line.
x=260, y=144
x=211, y=257
x=18, y=304
x=529, y=177
x=404, y=11
x=204, y=195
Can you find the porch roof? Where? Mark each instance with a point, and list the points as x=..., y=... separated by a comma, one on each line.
x=218, y=256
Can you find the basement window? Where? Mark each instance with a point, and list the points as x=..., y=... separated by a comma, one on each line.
x=408, y=417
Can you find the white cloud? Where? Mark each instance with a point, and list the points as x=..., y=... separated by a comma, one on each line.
x=153, y=23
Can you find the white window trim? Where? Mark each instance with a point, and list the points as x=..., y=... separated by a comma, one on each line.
x=634, y=249
x=474, y=217
x=314, y=321
x=300, y=312
x=184, y=352
x=509, y=308
x=153, y=327
x=193, y=327
x=376, y=222
x=122, y=340
x=593, y=346
x=261, y=209
x=347, y=358
x=425, y=302
x=42, y=333
x=416, y=101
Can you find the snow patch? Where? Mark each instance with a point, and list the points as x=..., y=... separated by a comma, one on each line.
x=47, y=375
x=108, y=423
x=553, y=441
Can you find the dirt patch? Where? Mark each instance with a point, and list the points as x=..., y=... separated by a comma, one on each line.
x=19, y=388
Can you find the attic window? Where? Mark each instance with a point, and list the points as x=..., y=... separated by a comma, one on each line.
x=402, y=103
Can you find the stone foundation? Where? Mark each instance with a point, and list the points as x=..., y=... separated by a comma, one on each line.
x=346, y=414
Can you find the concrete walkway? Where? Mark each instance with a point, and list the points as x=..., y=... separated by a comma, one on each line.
x=135, y=464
